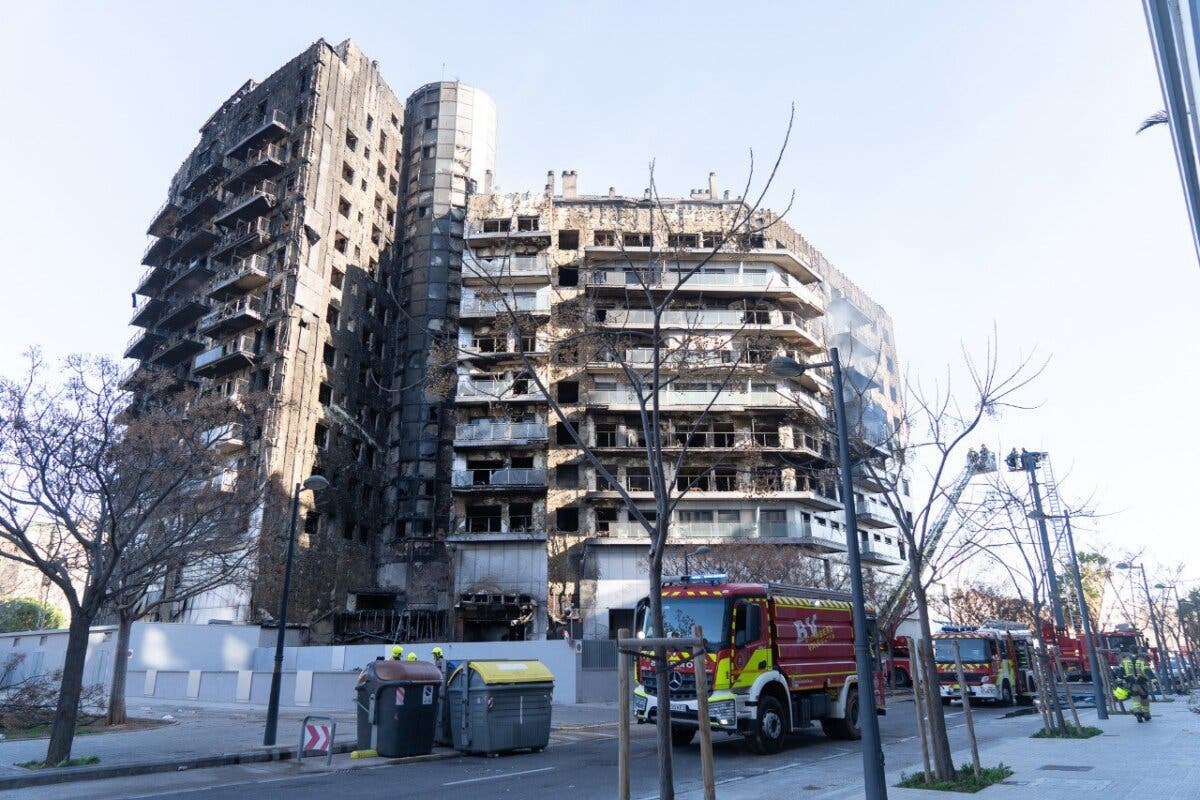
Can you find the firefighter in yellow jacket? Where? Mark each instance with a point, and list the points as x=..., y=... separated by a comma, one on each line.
x=1136, y=676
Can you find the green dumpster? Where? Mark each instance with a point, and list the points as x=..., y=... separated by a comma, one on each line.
x=500, y=706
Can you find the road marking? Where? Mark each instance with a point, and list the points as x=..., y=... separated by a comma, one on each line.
x=498, y=777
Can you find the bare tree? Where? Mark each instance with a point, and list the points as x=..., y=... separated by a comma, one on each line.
x=124, y=497
x=937, y=425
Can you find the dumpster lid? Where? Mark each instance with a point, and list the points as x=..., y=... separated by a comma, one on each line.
x=417, y=671
x=495, y=672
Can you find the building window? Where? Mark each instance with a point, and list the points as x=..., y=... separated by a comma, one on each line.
x=497, y=225
x=324, y=394
x=528, y=223
x=347, y=173
x=604, y=239
x=329, y=355
x=321, y=436
x=336, y=277
x=331, y=316
x=312, y=522
x=339, y=242
x=636, y=239
x=567, y=476
x=568, y=240
x=351, y=140
x=568, y=276
x=344, y=207
x=683, y=240
x=370, y=122
x=568, y=391
x=604, y=518
x=567, y=520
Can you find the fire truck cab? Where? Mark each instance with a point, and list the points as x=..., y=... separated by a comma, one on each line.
x=997, y=660
x=784, y=659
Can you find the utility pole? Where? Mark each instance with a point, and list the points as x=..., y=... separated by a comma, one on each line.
x=1026, y=461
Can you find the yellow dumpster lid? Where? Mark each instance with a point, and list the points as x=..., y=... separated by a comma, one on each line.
x=512, y=671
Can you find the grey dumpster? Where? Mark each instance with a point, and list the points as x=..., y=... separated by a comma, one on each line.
x=398, y=707
x=499, y=706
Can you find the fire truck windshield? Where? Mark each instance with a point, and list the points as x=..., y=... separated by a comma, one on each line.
x=681, y=613
x=970, y=650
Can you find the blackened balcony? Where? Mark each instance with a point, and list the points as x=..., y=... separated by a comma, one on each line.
x=142, y=343
x=207, y=168
x=147, y=311
x=232, y=317
x=200, y=209
x=164, y=219
x=270, y=127
x=142, y=374
x=244, y=275
x=156, y=252
x=225, y=358
x=265, y=162
x=153, y=280
x=190, y=275
x=195, y=240
x=177, y=349
x=247, y=236
x=254, y=201
x=183, y=312
x=504, y=478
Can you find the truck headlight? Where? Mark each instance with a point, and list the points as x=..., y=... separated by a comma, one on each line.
x=724, y=711
x=639, y=702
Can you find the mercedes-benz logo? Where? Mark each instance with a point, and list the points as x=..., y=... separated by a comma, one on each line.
x=676, y=680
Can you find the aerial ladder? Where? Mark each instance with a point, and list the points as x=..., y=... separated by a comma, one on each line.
x=892, y=611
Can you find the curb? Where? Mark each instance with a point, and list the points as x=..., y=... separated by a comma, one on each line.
x=46, y=777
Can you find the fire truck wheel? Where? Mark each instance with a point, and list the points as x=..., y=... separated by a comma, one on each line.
x=902, y=679
x=682, y=735
x=846, y=728
x=766, y=736
x=1006, y=694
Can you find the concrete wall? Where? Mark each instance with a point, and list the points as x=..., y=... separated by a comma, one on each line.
x=230, y=664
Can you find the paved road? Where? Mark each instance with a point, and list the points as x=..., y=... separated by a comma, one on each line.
x=579, y=764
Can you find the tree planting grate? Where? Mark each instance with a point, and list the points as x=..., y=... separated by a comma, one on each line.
x=1065, y=768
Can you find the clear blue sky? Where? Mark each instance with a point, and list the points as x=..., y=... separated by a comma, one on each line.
x=968, y=164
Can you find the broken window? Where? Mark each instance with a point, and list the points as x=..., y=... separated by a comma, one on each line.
x=568, y=391
x=331, y=316
x=370, y=122
x=312, y=522
x=712, y=239
x=324, y=394
x=567, y=519
x=568, y=240
x=568, y=276
x=604, y=239
x=347, y=173
x=351, y=140
x=528, y=223
x=344, y=207
x=336, y=277
x=567, y=476
x=520, y=517
x=339, y=242
x=497, y=225
x=633, y=239
x=606, y=434
x=683, y=240
x=321, y=436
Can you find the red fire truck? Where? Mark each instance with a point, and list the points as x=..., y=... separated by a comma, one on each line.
x=784, y=659
x=997, y=662
x=1121, y=641
x=1072, y=650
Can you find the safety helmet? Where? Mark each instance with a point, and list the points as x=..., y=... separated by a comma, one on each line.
x=412, y=656
x=1121, y=693
x=437, y=652
x=397, y=651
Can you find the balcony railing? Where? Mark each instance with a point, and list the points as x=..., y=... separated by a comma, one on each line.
x=709, y=530
x=716, y=281
x=206, y=167
x=506, y=266
x=226, y=357
x=499, y=432
x=244, y=275
x=247, y=236
x=232, y=317
x=271, y=125
x=258, y=164
x=499, y=390
x=708, y=318
x=253, y=201
x=481, y=307
x=699, y=398
x=482, y=478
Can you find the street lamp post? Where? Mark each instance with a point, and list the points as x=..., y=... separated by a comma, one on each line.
x=699, y=551
x=873, y=778
x=1162, y=644
x=313, y=483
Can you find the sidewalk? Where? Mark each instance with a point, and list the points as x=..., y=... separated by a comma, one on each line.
x=211, y=734
x=1159, y=760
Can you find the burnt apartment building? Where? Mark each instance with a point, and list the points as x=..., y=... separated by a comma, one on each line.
x=268, y=272
x=539, y=539
x=345, y=254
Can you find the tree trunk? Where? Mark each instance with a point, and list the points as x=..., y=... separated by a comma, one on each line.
x=939, y=741
x=666, y=775
x=62, y=734
x=116, y=695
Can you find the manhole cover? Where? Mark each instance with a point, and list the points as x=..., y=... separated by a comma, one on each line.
x=1065, y=768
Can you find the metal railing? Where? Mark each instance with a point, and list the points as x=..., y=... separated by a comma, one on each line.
x=481, y=307
x=706, y=318
x=498, y=390
x=243, y=266
x=473, y=266
x=500, y=477
x=729, y=397
x=239, y=344
x=499, y=432
x=243, y=305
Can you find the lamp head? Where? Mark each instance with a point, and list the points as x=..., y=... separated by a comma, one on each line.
x=1161, y=586
x=1124, y=565
x=316, y=483
x=786, y=367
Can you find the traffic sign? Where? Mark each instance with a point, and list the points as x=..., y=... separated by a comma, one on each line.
x=316, y=737
x=317, y=733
